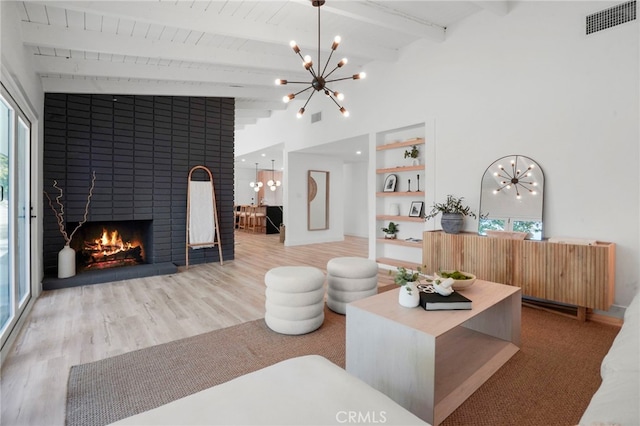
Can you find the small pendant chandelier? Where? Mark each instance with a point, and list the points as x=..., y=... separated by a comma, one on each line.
x=320, y=80
x=256, y=185
x=273, y=184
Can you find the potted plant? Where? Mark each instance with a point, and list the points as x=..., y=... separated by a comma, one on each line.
x=408, y=281
x=453, y=212
x=390, y=230
x=413, y=154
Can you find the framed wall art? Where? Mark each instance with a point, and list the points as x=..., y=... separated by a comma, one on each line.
x=390, y=183
x=416, y=209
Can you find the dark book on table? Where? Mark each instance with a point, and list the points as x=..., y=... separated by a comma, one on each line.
x=437, y=302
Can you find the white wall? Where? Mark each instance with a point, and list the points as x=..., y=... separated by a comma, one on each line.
x=243, y=193
x=356, y=211
x=529, y=83
x=297, y=166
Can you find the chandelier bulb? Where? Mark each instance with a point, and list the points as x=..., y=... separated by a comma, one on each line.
x=278, y=183
x=294, y=46
x=288, y=98
x=280, y=82
x=339, y=95
x=342, y=62
x=272, y=187
x=300, y=112
x=259, y=184
x=270, y=182
x=344, y=112
x=256, y=189
x=252, y=184
x=308, y=63
x=336, y=43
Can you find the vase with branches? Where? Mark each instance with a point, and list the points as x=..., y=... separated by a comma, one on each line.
x=67, y=256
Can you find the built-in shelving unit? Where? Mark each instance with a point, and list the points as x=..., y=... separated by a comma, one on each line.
x=399, y=218
x=394, y=206
x=400, y=169
x=400, y=194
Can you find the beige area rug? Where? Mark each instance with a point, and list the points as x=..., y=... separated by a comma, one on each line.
x=549, y=382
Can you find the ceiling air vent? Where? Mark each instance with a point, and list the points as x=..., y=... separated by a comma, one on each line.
x=611, y=17
x=316, y=117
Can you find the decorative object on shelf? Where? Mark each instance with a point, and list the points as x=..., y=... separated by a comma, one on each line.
x=416, y=209
x=408, y=281
x=390, y=183
x=394, y=209
x=418, y=177
x=256, y=184
x=320, y=80
x=273, y=184
x=390, y=231
x=67, y=256
x=461, y=280
x=413, y=154
x=453, y=212
x=409, y=185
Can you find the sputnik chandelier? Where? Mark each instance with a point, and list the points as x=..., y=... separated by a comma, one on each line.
x=514, y=179
x=273, y=184
x=256, y=185
x=320, y=80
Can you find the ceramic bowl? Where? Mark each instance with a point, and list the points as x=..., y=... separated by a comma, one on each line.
x=458, y=284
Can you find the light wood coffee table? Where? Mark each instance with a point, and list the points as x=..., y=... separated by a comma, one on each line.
x=430, y=362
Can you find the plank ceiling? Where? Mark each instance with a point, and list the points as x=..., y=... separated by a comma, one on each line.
x=230, y=48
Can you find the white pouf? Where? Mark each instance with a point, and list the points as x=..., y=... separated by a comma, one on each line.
x=350, y=279
x=294, y=299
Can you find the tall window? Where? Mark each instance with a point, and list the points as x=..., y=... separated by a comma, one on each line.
x=15, y=214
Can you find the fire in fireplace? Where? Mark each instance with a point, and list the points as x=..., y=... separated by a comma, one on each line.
x=110, y=251
x=103, y=245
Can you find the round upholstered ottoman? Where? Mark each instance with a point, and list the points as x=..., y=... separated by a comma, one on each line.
x=349, y=279
x=294, y=299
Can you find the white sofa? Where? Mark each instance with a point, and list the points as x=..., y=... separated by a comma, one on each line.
x=307, y=390
x=617, y=400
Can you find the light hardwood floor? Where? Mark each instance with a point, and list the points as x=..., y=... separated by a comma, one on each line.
x=84, y=324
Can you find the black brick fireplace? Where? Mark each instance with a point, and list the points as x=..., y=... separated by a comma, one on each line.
x=141, y=149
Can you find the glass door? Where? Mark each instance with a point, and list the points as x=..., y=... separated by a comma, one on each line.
x=15, y=213
x=6, y=307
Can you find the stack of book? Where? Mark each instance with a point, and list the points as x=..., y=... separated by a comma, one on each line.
x=432, y=301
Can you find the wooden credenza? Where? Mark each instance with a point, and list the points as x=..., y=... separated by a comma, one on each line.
x=578, y=275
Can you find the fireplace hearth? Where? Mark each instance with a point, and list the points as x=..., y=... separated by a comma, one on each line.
x=112, y=251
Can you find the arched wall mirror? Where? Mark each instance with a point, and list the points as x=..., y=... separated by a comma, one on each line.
x=511, y=198
x=318, y=200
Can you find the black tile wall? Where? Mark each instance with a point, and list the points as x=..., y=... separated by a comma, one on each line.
x=141, y=149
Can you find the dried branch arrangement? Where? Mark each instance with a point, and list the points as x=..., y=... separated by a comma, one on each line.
x=60, y=214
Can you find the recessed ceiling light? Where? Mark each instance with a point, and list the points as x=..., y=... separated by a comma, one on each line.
x=358, y=152
x=264, y=155
x=242, y=160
